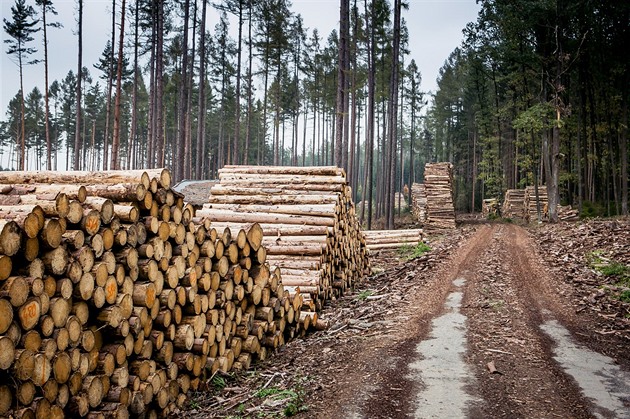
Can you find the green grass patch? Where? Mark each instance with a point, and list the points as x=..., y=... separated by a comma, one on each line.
x=410, y=252
x=291, y=399
x=625, y=296
x=218, y=382
x=598, y=260
x=363, y=295
x=615, y=269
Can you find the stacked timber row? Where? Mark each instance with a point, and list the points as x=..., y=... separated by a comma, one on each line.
x=392, y=239
x=530, y=200
x=308, y=218
x=114, y=302
x=438, y=183
x=565, y=213
x=490, y=207
x=419, y=202
x=516, y=204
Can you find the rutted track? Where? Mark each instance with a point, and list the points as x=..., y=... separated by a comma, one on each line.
x=509, y=300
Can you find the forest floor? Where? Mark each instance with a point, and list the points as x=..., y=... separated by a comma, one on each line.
x=497, y=320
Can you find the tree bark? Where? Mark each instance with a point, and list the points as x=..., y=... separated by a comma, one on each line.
x=115, y=163
x=77, y=128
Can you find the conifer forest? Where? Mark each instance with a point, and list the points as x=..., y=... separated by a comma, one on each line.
x=536, y=94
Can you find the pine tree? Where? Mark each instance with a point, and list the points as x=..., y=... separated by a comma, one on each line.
x=47, y=7
x=20, y=30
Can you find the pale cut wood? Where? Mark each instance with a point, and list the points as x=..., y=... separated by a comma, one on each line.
x=9, y=237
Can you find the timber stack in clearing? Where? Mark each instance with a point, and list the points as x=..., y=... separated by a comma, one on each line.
x=438, y=184
x=516, y=204
x=392, y=239
x=116, y=300
x=419, y=202
x=532, y=208
x=309, y=224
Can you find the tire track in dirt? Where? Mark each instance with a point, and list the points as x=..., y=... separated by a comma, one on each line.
x=505, y=306
x=395, y=395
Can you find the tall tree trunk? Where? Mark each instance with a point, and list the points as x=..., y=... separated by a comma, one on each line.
x=110, y=86
x=46, y=107
x=187, y=169
x=178, y=167
x=249, y=83
x=160, y=140
x=369, y=144
x=393, y=114
x=77, y=128
x=134, y=110
x=115, y=163
x=151, y=130
x=341, y=83
x=623, y=156
x=237, y=99
x=201, y=120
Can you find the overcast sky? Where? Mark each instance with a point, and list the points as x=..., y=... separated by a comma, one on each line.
x=435, y=29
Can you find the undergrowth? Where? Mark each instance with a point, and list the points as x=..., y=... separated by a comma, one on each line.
x=614, y=270
x=411, y=252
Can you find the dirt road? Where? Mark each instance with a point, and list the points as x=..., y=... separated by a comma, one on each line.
x=480, y=327
x=493, y=305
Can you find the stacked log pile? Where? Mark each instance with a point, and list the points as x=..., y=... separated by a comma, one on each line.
x=565, y=212
x=516, y=204
x=438, y=183
x=419, y=202
x=392, y=239
x=490, y=207
x=309, y=224
x=115, y=300
x=531, y=202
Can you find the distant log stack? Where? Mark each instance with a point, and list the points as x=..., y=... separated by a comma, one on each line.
x=392, y=239
x=419, y=202
x=532, y=206
x=308, y=221
x=516, y=205
x=115, y=300
x=567, y=213
x=438, y=183
x=490, y=207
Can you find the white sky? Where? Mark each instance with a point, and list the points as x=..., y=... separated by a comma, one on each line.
x=435, y=29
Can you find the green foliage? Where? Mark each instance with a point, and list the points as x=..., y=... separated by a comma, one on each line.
x=592, y=209
x=293, y=399
x=219, y=382
x=535, y=118
x=363, y=295
x=598, y=260
x=624, y=296
x=411, y=252
x=615, y=269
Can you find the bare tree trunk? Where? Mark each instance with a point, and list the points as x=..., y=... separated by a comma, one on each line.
x=237, y=99
x=201, y=120
x=249, y=84
x=115, y=163
x=77, y=128
x=46, y=107
x=187, y=169
x=341, y=84
x=159, y=105
x=152, y=93
x=178, y=167
x=393, y=115
x=110, y=86
x=623, y=151
x=134, y=110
